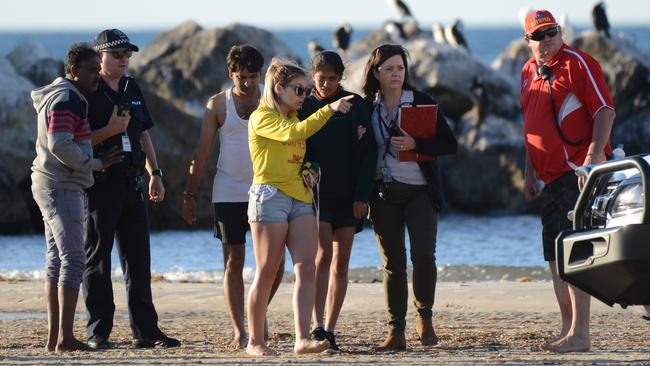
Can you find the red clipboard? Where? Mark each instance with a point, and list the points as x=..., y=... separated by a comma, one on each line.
x=419, y=122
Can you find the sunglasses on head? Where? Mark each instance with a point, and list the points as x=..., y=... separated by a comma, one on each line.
x=120, y=54
x=299, y=90
x=541, y=34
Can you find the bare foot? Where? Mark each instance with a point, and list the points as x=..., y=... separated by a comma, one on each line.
x=50, y=347
x=550, y=343
x=238, y=342
x=303, y=346
x=569, y=344
x=260, y=350
x=71, y=346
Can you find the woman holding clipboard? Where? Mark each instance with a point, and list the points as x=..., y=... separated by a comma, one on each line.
x=407, y=194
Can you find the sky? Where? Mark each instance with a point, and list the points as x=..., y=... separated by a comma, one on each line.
x=40, y=15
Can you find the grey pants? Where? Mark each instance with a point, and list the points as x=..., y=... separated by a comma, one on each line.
x=64, y=214
x=406, y=206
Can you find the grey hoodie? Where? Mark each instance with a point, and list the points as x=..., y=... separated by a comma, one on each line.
x=64, y=154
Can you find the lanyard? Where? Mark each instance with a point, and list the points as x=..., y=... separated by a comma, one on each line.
x=383, y=126
x=120, y=94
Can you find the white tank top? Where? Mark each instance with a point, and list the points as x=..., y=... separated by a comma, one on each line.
x=234, y=167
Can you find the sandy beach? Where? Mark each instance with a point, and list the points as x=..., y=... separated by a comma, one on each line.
x=495, y=322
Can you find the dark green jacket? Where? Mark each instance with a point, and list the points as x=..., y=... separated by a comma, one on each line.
x=347, y=163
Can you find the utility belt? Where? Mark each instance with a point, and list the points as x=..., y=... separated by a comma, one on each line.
x=121, y=172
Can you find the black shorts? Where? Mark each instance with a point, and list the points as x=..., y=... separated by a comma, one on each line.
x=558, y=198
x=231, y=222
x=340, y=217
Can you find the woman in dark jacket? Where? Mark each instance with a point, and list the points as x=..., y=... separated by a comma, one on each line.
x=347, y=161
x=406, y=194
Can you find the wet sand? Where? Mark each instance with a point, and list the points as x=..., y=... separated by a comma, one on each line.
x=480, y=323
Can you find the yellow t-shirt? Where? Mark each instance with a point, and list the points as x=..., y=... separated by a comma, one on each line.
x=277, y=146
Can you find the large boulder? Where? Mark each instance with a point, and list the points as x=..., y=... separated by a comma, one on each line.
x=512, y=60
x=17, y=138
x=174, y=135
x=482, y=182
x=33, y=61
x=446, y=73
x=188, y=64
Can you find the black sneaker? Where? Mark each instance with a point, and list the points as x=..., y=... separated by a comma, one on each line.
x=318, y=334
x=98, y=342
x=332, y=339
x=162, y=341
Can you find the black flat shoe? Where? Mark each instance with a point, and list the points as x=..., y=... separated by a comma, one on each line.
x=163, y=341
x=97, y=342
x=318, y=334
x=331, y=337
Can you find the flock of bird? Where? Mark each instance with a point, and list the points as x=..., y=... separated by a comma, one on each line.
x=452, y=35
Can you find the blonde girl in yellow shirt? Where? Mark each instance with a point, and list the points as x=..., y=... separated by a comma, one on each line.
x=280, y=208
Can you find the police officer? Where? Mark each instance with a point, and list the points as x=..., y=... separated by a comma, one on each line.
x=117, y=208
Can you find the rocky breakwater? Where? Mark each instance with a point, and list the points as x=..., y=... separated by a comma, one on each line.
x=187, y=64
x=17, y=139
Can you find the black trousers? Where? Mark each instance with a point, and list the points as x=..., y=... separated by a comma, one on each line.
x=407, y=207
x=117, y=209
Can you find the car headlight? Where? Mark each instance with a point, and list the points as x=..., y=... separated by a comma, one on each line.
x=629, y=200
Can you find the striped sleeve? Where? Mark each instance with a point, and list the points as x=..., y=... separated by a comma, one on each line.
x=61, y=121
x=67, y=115
x=591, y=87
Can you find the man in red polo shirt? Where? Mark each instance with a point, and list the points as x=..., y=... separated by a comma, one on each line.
x=568, y=116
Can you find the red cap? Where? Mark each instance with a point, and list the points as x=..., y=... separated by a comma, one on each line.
x=537, y=19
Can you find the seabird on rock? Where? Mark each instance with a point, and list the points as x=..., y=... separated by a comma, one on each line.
x=481, y=105
x=395, y=32
x=454, y=35
x=341, y=37
x=438, y=33
x=314, y=47
x=401, y=7
x=599, y=18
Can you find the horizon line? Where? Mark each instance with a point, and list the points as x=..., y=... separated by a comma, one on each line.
x=276, y=27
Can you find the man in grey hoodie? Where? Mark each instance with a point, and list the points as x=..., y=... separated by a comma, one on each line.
x=61, y=171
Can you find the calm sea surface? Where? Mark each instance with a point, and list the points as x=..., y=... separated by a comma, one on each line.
x=468, y=245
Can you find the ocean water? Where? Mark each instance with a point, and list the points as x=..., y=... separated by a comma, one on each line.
x=485, y=43
x=468, y=248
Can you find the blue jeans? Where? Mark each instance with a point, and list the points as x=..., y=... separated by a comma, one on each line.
x=64, y=215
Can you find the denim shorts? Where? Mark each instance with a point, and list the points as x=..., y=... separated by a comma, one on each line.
x=268, y=204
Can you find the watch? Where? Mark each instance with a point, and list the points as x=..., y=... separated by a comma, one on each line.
x=157, y=172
